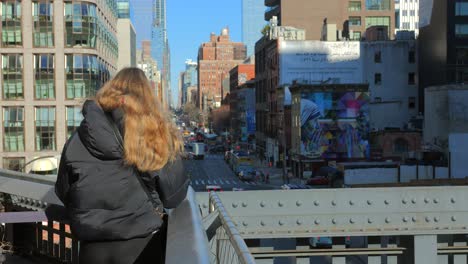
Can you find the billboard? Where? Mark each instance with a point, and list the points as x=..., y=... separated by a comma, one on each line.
x=334, y=124
x=316, y=62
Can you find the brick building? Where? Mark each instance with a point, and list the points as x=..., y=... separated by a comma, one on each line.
x=215, y=59
x=352, y=17
x=242, y=101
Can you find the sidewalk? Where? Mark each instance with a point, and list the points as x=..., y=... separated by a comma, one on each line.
x=275, y=174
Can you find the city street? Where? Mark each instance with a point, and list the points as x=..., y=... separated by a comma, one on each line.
x=213, y=170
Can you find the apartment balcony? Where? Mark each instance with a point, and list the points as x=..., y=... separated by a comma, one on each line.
x=272, y=3
x=272, y=11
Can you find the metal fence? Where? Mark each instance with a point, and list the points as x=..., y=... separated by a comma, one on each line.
x=226, y=244
x=422, y=225
x=36, y=223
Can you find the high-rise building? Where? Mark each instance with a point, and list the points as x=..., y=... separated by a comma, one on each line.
x=189, y=78
x=126, y=35
x=146, y=49
x=125, y=9
x=150, y=67
x=215, y=59
x=252, y=23
x=407, y=16
x=160, y=47
x=54, y=55
x=443, y=49
x=351, y=17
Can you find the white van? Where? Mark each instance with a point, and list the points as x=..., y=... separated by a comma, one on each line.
x=198, y=149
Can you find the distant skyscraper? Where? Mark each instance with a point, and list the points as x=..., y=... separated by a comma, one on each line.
x=160, y=46
x=124, y=9
x=189, y=79
x=252, y=23
x=407, y=16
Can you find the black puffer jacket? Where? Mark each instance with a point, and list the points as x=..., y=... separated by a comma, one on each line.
x=104, y=197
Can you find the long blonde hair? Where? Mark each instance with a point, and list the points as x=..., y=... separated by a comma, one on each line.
x=151, y=140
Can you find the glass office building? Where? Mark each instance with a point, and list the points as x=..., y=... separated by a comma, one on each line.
x=252, y=23
x=45, y=77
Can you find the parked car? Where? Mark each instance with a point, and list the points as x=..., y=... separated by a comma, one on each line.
x=318, y=180
x=246, y=173
x=213, y=188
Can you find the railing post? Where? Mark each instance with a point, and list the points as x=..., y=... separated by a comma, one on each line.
x=425, y=249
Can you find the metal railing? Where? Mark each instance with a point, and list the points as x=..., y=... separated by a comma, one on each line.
x=36, y=222
x=422, y=225
x=227, y=245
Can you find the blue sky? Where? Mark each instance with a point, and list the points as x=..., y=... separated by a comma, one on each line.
x=189, y=24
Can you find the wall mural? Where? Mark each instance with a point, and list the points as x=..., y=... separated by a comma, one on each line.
x=335, y=124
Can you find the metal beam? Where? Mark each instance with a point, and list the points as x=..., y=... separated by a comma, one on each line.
x=349, y=212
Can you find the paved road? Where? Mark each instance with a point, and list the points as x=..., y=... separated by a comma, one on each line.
x=213, y=170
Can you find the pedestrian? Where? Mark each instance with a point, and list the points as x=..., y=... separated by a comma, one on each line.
x=118, y=172
x=267, y=180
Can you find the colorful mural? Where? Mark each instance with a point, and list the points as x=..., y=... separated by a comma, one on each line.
x=335, y=124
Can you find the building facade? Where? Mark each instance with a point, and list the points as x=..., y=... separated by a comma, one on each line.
x=407, y=16
x=390, y=68
x=215, y=59
x=242, y=101
x=443, y=44
x=351, y=17
x=252, y=23
x=126, y=36
x=50, y=65
x=446, y=130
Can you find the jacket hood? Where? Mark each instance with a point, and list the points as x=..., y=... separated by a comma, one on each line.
x=97, y=134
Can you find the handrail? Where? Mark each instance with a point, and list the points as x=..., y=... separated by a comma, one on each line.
x=238, y=243
x=186, y=236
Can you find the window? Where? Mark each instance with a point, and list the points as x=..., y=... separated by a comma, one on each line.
x=45, y=128
x=81, y=25
x=13, y=129
x=11, y=23
x=44, y=81
x=412, y=13
x=43, y=34
x=411, y=78
x=412, y=102
x=74, y=118
x=401, y=146
x=412, y=56
x=354, y=6
x=461, y=30
x=377, y=21
x=354, y=21
x=378, y=57
x=378, y=78
x=462, y=56
x=356, y=35
x=379, y=5
x=12, y=65
x=83, y=75
x=416, y=25
x=14, y=164
x=461, y=8
x=404, y=13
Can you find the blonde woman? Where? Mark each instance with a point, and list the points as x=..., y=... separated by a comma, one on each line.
x=118, y=172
